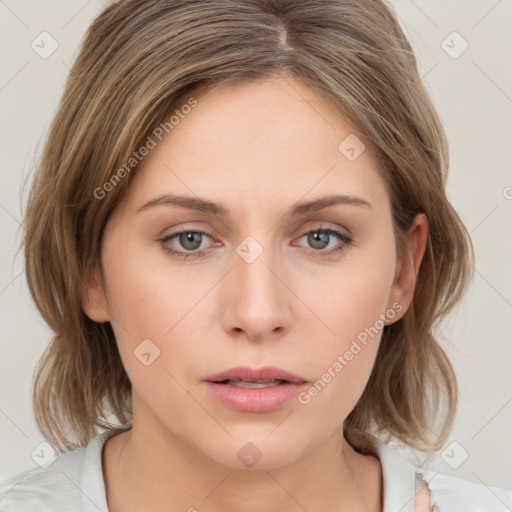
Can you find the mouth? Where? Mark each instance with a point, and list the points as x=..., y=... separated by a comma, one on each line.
x=254, y=390
x=243, y=376
x=252, y=384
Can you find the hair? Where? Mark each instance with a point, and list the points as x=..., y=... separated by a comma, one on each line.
x=138, y=61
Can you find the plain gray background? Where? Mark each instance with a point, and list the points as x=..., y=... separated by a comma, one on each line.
x=472, y=91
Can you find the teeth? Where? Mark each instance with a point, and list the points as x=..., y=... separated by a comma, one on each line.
x=258, y=384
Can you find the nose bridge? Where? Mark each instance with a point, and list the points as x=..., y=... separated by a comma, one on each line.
x=257, y=303
x=255, y=258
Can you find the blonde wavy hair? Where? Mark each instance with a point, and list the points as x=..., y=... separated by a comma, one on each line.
x=138, y=60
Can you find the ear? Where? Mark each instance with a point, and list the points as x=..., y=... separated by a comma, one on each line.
x=402, y=290
x=94, y=300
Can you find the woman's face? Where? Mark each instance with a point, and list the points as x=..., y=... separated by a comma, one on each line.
x=267, y=286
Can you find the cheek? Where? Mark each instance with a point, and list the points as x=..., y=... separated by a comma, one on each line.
x=352, y=307
x=139, y=291
x=350, y=297
x=152, y=299
x=146, y=306
x=342, y=364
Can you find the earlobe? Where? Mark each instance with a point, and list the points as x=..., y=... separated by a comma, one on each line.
x=408, y=267
x=94, y=301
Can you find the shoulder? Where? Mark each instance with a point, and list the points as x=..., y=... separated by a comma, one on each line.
x=72, y=482
x=447, y=493
x=451, y=493
x=54, y=488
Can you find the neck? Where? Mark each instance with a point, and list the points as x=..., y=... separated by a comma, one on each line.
x=150, y=469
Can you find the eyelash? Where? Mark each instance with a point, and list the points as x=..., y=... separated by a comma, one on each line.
x=346, y=239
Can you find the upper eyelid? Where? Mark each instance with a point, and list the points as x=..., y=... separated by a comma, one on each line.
x=319, y=227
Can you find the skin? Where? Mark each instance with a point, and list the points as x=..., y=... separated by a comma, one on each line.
x=258, y=148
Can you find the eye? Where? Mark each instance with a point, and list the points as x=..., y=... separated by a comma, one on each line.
x=319, y=238
x=188, y=239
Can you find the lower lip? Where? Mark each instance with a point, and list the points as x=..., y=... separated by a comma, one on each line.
x=254, y=399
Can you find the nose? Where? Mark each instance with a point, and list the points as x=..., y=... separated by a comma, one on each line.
x=256, y=298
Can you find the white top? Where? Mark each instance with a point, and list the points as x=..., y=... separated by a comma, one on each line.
x=74, y=483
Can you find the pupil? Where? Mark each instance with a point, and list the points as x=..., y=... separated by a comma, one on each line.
x=190, y=238
x=318, y=237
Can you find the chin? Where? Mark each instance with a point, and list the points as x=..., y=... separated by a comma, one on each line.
x=257, y=451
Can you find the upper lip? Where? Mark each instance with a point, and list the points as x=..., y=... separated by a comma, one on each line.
x=255, y=374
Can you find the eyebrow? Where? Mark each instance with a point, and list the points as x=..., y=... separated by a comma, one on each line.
x=203, y=205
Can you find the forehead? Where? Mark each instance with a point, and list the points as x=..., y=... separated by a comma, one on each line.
x=249, y=141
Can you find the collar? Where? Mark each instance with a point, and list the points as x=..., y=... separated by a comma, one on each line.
x=399, y=476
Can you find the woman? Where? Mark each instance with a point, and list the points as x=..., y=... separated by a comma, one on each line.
x=240, y=236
